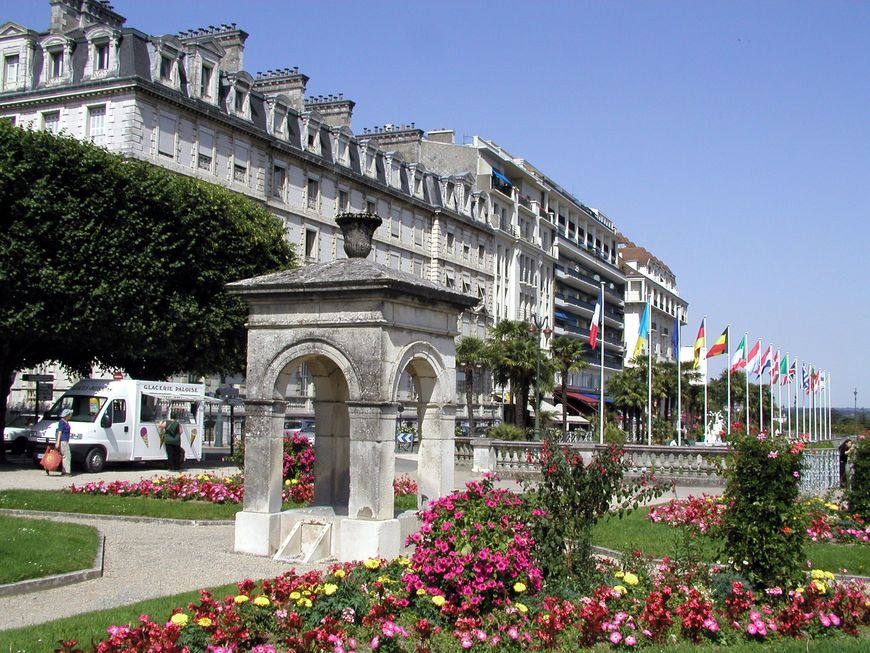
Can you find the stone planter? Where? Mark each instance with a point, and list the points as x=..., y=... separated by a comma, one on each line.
x=358, y=229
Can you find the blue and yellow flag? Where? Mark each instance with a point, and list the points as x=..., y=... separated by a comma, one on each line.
x=643, y=331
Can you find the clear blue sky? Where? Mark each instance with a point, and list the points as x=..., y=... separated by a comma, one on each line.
x=731, y=139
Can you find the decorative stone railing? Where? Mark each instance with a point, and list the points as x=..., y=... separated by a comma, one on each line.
x=699, y=465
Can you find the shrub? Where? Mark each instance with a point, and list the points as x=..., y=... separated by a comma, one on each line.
x=474, y=548
x=764, y=526
x=506, y=432
x=571, y=497
x=858, y=492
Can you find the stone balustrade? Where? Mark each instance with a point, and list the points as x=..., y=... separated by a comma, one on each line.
x=698, y=465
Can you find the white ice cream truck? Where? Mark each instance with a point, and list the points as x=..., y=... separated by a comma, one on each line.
x=118, y=420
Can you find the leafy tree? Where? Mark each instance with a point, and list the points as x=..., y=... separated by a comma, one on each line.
x=567, y=356
x=470, y=354
x=106, y=260
x=512, y=352
x=628, y=391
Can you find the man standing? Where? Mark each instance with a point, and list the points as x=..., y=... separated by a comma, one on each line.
x=62, y=441
x=172, y=440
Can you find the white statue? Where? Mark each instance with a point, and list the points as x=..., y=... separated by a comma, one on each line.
x=716, y=424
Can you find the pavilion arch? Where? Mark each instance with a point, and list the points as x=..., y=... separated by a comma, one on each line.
x=357, y=324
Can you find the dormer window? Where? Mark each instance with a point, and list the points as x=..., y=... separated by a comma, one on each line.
x=10, y=71
x=165, y=68
x=279, y=122
x=55, y=64
x=101, y=56
x=205, y=77
x=240, y=101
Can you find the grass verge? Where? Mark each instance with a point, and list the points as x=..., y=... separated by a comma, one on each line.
x=33, y=548
x=635, y=531
x=91, y=626
x=60, y=501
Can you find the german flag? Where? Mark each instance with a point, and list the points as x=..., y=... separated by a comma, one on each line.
x=720, y=346
x=699, y=344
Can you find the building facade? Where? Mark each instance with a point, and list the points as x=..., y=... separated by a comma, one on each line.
x=471, y=216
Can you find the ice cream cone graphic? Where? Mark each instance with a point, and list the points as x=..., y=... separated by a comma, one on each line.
x=143, y=432
x=192, y=436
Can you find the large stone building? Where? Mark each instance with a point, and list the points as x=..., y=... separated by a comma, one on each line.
x=650, y=280
x=469, y=216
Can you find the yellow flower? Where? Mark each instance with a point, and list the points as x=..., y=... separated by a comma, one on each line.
x=619, y=574
x=800, y=590
x=204, y=622
x=306, y=602
x=261, y=601
x=294, y=481
x=404, y=562
x=829, y=575
x=241, y=598
x=519, y=587
x=372, y=563
x=295, y=596
x=820, y=586
x=621, y=589
x=817, y=573
x=438, y=600
x=339, y=573
x=630, y=579
x=287, y=483
x=179, y=619
x=329, y=589
x=522, y=607
x=832, y=506
x=421, y=592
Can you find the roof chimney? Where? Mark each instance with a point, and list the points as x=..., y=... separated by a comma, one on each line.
x=441, y=136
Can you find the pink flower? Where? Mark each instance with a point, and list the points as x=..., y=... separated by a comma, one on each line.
x=630, y=640
x=615, y=637
x=772, y=454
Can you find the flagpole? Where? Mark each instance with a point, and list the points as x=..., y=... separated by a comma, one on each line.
x=649, y=377
x=787, y=394
x=601, y=379
x=830, y=413
x=728, y=374
x=770, y=387
x=679, y=382
x=779, y=391
x=704, y=358
x=760, y=395
x=746, y=379
x=812, y=406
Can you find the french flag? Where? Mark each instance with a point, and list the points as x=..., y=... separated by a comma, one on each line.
x=596, y=318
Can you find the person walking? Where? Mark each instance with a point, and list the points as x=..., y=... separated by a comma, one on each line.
x=172, y=440
x=61, y=443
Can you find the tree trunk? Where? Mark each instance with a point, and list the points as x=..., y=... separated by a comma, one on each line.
x=564, y=403
x=522, y=399
x=469, y=393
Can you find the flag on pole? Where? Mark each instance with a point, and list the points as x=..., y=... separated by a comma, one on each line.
x=699, y=345
x=675, y=340
x=738, y=360
x=774, y=370
x=764, y=365
x=792, y=372
x=720, y=346
x=822, y=379
x=783, y=370
x=596, y=318
x=643, y=331
x=805, y=379
x=752, y=357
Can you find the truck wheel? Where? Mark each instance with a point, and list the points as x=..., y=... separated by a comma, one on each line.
x=19, y=446
x=95, y=460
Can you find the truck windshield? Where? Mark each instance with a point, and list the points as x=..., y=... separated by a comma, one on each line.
x=84, y=409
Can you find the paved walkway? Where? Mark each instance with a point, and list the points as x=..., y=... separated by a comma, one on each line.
x=145, y=559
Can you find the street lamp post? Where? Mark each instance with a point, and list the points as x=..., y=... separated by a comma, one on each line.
x=538, y=325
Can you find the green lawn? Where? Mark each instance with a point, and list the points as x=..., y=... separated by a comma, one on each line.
x=33, y=548
x=635, y=531
x=60, y=501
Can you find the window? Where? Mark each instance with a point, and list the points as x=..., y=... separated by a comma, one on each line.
x=206, y=149
x=418, y=268
x=372, y=207
x=481, y=253
x=449, y=281
x=97, y=123
x=418, y=233
x=101, y=56
x=205, y=74
x=119, y=411
x=165, y=68
x=450, y=239
x=240, y=100
x=279, y=177
x=55, y=64
x=310, y=245
x=313, y=193
x=51, y=122
x=240, y=163
x=466, y=251
x=343, y=201
x=10, y=70
x=466, y=286
x=395, y=223
x=312, y=140
x=166, y=141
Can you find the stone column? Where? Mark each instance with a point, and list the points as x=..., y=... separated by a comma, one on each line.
x=257, y=525
x=435, y=462
x=371, y=530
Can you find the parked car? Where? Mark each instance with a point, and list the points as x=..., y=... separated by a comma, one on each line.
x=17, y=430
x=308, y=432
x=295, y=426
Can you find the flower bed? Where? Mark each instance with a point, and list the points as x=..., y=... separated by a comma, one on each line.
x=374, y=605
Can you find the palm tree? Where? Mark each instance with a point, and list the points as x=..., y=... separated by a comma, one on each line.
x=512, y=354
x=470, y=354
x=628, y=391
x=567, y=356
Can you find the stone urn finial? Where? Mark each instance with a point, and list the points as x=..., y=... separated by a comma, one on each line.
x=358, y=229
